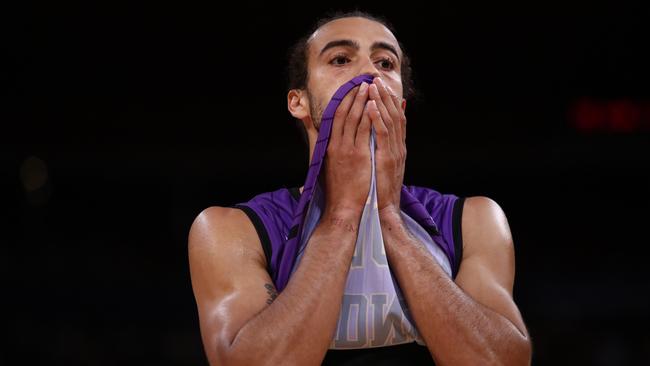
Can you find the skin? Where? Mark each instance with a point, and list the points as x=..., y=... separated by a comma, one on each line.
x=472, y=320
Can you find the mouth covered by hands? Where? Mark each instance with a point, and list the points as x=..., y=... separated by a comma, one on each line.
x=389, y=121
x=347, y=162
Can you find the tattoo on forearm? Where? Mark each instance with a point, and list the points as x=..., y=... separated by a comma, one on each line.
x=341, y=222
x=273, y=293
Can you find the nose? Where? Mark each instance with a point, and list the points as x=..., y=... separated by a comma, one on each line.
x=368, y=67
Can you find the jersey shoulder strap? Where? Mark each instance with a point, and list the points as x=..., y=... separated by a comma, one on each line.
x=271, y=214
x=446, y=210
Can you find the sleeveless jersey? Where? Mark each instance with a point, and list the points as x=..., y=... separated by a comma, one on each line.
x=271, y=214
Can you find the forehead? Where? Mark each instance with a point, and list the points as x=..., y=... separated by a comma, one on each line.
x=365, y=31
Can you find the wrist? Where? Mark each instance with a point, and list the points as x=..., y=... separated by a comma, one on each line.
x=390, y=213
x=341, y=219
x=346, y=212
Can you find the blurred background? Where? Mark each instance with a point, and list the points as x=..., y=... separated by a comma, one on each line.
x=121, y=123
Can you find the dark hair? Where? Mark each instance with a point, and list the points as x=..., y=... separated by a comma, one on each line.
x=298, y=72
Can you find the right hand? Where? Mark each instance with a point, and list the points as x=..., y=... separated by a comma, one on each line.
x=347, y=161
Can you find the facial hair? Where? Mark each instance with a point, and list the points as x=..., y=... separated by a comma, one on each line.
x=316, y=110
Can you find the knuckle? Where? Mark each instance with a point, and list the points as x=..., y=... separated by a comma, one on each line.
x=355, y=115
x=340, y=112
x=347, y=152
x=351, y=96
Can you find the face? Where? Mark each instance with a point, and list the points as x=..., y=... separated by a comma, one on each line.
x=345, y=48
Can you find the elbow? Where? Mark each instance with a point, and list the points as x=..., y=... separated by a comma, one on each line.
x=527, y=346
x=521, y=353
x=233, y=355
x=518, y=352
x=225, y=354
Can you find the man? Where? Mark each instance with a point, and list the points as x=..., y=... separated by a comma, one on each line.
x=468, y=320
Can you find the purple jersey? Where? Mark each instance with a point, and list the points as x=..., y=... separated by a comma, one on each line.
x=370, y=316
x=271, y=214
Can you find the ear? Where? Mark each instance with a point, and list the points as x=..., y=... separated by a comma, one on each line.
x=403, y=105
x=298, y=104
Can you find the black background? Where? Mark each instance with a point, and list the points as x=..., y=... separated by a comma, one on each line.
x=131, y=120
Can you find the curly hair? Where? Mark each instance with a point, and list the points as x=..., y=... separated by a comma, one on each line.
x=298, y=73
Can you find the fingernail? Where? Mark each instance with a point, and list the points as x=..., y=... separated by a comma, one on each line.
x=374, y=86
x=364, y=87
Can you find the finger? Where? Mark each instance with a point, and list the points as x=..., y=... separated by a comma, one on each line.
x=403, y=127
x=362, y=138
x=341, y=113
x=354, y=115
x=388, y=97
x=385, y=116
x=380, y=128
x=400, y=121
x=393, y=108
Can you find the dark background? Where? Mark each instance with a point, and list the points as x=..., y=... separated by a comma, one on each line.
x=122, y=123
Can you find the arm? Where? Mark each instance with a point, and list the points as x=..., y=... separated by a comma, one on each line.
x=475, y=320
x=243, y=320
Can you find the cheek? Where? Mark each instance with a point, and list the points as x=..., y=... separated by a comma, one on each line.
x=395, y=84
x=327, y=80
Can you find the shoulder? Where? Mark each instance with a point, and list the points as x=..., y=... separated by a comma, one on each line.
x=484, y=223
x=484, y=216
x=218, y=220
x=224, y=229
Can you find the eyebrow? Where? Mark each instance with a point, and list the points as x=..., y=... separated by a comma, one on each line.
x=355, y=45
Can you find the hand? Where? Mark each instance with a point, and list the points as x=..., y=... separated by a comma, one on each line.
x=389, y=121
x=347, y=161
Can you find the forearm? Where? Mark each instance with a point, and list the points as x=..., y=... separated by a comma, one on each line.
x=457, y=329
x=298, y=326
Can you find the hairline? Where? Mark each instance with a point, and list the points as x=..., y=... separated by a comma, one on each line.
x=313, y=35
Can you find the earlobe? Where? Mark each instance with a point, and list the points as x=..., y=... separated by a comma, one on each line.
x=297, y=104
x=403, y=105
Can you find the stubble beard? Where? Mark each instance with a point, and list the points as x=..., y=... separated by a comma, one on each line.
x=316, y=110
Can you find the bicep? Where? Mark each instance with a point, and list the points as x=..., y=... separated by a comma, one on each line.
x=487, y=270
x=229, y=279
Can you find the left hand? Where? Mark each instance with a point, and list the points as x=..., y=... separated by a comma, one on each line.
x=389, y=121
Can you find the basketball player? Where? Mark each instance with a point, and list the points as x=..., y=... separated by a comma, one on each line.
x=463, y=316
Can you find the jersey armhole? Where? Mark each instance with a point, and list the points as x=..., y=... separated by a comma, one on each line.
x=261, y=232
x=456, y=223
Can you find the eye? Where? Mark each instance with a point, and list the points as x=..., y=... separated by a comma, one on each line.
x=337, y=58
x=387, y=63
